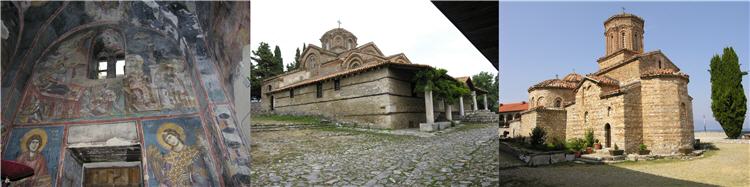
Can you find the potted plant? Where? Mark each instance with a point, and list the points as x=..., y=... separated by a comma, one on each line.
x=597, y=145
x=642, y=150
x=575, y=145
x=616, y=151
x=589, y=140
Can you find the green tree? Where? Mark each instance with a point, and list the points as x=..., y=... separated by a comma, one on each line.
x=266, y=65
x=295, y=64
x=278, y=62
x=728, y=101
x=440, y=83
x=489, y=83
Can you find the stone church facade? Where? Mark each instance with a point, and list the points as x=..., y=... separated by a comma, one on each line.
x=114, y=93
x=634, y=98
x=352, y=83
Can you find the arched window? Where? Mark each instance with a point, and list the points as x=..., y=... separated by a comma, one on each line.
x=659, y=64
x=531, y=102
x=540, y=101
x=108, y=58
x=354, y=64
x=622, y=40
x=585, y=117
x=518, y=116
x=269, y=88
x=558, y=102
x=312, y=62
x=350, y=44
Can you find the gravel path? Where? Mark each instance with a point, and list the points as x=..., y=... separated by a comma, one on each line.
x=328, y=156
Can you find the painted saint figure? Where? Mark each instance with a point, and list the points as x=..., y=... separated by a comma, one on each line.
x=182, y=165
x=32, y=144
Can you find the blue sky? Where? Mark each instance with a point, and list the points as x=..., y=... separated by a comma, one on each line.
x=541, y=39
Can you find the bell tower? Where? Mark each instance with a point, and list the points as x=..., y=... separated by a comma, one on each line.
x=623, y=31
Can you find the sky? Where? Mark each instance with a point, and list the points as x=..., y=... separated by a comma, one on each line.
x=413, y=27
x=541, y=39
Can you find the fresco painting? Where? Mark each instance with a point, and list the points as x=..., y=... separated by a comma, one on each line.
x=238, y=164
x=62, y=89
x=177, y=153
x=38, y=148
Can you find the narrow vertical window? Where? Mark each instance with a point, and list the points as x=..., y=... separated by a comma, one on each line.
x=291, y=93
x=319, y=90
x=337, y=84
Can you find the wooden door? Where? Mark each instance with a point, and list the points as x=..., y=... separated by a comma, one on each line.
x=113, y=177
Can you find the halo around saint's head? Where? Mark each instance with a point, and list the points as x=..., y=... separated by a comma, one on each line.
x=36, y=131
x=163, y=128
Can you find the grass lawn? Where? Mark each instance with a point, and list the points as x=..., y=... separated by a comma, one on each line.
x=284, y=119
x=727, y=166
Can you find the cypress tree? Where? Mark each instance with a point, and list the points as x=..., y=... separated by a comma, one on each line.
x=728, y=101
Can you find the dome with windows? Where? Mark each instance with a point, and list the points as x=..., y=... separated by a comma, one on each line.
x=338, y=40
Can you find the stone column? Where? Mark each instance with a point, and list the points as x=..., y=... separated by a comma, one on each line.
x=461, y=105
x=485, y=101
x=428, y=107
x=448, y=112
x=474, y=99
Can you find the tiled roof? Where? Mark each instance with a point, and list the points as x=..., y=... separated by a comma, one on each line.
x=603, y=79
x=663, y=72
x=573, y=77
x=347, y=72
x=512, y=107
x=623, y=15
x=465, y=80
x=554, y=83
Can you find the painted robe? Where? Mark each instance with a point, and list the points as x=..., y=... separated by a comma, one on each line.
x=39, y=164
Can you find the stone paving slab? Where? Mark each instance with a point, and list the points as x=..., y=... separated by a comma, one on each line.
x=344, y=157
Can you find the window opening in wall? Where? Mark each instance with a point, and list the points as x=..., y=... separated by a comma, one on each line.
x=558, y=102
x=585, y=117
x=609, y=109
x=319, y=90
x=291, y=93
x=659, y=64
x=269, y=88
x=337, y=84
x=412, y=86
x=622, y=43
x=109, y=67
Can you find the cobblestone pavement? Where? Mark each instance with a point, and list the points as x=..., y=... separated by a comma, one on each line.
x=328, y=156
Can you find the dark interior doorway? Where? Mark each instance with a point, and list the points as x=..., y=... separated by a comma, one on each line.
x=607, y=135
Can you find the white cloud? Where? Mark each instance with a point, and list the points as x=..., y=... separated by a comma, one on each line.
x=413, y=27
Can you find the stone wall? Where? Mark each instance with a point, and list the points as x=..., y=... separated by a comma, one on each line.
x=549, y=95
x=627, y=73
x=379, y=98
x=601, y=111
x=552, y=120
x=667, y=121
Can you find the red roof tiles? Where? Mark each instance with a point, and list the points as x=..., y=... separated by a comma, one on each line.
x=512, y=107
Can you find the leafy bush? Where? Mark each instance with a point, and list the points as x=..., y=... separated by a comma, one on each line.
x=642, y=147
x=538, y=136
x=575, y=144
x=589, y=137
x=556, y=144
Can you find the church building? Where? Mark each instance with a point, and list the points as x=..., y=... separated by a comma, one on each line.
x=356, y=84
x=634, y=98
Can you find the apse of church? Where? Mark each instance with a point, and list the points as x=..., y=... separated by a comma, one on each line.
x=143, y=86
